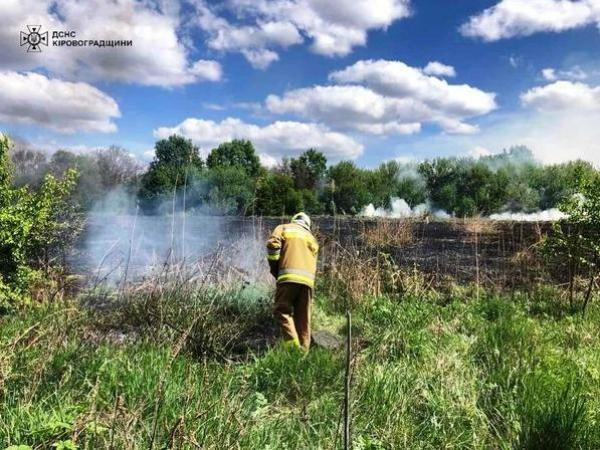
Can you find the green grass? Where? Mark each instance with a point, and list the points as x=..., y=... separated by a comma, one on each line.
x=502, y=372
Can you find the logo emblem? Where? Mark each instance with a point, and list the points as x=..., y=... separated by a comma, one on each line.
x=34, y=38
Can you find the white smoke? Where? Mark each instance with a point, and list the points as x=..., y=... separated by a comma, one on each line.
x=549, y=215
x=400, y=209
x=121, y=243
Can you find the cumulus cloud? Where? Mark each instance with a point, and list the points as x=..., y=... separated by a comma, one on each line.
x=575, y=73
x=386, y=97
x=563, y=95
x=63, y=106
x=334, y=28
x=253, y=41
x=206, y=70
x=439, y=69
x=157, y=56
x=396, y=79
x=560, y=122
x=510, y=18
x=349, y=107
x=278, y=139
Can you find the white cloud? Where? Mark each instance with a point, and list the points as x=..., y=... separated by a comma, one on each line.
x=559, y=123
x=510, y=18
x=563, y=95
x=396, y=79
x=389, y=128
x=405, y=159
x=60, y=105
x=157, y=56
x=553, y=137
x=479, y=152
x=349, y=107
x=549, y=74
x=394, y=99
x=515, y=61
x=213, y=106
x=278, y=139
x=260, y=58
x=453, y=126
x=253, y=41
x=439, y=69
x=334, y=28
x=561, y=136
x=575, y=73
x=206, y=70
x=267, y=160
x=254, y=107
x=148, y=155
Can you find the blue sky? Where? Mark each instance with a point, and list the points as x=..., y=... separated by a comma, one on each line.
x=354, y=80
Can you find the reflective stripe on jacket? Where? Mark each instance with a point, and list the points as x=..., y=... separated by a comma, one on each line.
x=294, y=248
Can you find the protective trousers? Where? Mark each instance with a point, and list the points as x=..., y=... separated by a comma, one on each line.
x=292, y=311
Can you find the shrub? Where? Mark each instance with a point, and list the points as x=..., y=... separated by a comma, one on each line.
x=575, y=241
x=35, y=227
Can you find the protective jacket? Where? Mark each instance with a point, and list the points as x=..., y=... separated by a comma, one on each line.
x=292, y=253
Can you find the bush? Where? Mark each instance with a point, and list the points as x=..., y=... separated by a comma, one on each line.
x=575, y=241
x=35, y=227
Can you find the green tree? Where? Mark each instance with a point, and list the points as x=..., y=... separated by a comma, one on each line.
x=412, y=190
x=393, y=179
x=521, y=196
x=88, y=189
x=308, y=169
x=277, y=196
x=310, y=201
x=237, y=153
x=556, y=183
x=382, y=183
x=465, y=187
x=176, y=151
x=347, y=188
x=484, y=190
x=442, y=179
x=230, y=190
x=176, y=164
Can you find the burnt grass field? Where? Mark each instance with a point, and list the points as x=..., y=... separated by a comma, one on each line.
x=465, y=250
x=463, y=339
x=491, y=252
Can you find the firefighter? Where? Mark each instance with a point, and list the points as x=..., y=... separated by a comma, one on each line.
x=292, y=254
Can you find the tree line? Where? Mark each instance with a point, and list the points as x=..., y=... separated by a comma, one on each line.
x=231, y=180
